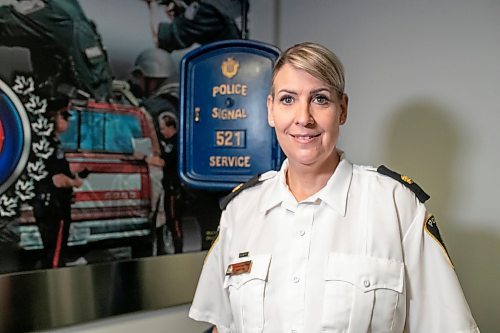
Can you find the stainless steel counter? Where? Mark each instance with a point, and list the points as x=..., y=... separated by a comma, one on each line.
x=43, y=299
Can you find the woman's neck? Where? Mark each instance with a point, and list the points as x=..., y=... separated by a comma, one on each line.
x=306, y=180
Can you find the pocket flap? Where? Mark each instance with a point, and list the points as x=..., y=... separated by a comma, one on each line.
x=366, y=273
x=258, y=270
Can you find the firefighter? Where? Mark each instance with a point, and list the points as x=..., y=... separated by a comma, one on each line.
x=201, y=22
x=156, y=76
x=66, y=49
x=52, y=202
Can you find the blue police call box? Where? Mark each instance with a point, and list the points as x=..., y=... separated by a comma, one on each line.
x=224, y=137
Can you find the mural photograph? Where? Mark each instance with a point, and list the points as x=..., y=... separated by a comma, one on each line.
x=89, y=129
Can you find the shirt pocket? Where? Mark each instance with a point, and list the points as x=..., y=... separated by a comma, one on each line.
x=246, y=294
x=361, y=293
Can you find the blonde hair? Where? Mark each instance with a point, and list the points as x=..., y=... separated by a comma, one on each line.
x=316, y=60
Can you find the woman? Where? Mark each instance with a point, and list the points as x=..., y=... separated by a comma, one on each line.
x=324, y=245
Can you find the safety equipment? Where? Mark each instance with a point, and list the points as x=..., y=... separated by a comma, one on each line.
x=154, y=63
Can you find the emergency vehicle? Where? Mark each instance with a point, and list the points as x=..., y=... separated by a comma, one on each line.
x=106, y=143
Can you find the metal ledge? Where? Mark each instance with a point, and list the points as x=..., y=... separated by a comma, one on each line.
x=44, y=299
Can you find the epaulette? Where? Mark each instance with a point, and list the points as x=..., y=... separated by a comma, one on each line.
x=405, y=180
x=237, y=190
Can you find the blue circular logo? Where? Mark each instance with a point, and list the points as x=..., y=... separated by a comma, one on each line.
x=15, y=137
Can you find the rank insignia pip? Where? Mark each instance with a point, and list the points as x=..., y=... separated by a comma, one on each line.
x=432, y=229
x=252, y=182
x=406, y=181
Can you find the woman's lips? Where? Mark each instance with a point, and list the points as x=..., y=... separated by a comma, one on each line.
x=304, y=138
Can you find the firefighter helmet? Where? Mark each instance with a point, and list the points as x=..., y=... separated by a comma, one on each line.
x=154, y=63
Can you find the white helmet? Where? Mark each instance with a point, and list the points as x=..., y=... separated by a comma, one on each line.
x=155, y=63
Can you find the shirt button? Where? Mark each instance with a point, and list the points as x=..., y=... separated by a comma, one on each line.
x=302, y=232
x=296, y=279
x=366, y=283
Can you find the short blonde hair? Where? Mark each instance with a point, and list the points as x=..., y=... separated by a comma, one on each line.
x=316, y=60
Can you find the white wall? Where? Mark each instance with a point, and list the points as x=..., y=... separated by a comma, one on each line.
x=423, y=80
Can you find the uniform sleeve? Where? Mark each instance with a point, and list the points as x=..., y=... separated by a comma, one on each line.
x=435, y=300
x=58, y=165
x=211, y=300
x=201, y=23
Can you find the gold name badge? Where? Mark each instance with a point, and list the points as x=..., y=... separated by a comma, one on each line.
x=239, y=268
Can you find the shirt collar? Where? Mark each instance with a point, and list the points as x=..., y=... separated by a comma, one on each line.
x=333, y=194
x=278, y=191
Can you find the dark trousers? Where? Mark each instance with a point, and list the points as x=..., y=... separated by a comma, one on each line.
x=173, y=216
x=53, y=222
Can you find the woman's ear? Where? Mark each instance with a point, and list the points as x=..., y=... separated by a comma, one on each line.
x=270, y=114
x=344, y=102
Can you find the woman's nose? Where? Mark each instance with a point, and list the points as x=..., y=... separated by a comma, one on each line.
x=303, y=115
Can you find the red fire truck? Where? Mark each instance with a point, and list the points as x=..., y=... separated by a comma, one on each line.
x=117, y=202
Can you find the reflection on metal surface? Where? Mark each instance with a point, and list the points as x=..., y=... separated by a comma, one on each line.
x=46, y=299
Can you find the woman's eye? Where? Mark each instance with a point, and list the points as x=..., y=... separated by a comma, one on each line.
x=321, y=99
x=286, y=99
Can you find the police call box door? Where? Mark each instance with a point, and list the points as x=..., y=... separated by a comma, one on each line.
x=224, y=135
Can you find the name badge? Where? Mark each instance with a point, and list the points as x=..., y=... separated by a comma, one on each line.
x=239, y=268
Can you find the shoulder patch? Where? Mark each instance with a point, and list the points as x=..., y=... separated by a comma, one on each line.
x=213, y=243
x=405, y=180
x=237, y=190
x=432, y=229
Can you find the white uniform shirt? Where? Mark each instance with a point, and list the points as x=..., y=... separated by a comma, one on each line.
x=355, y=257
